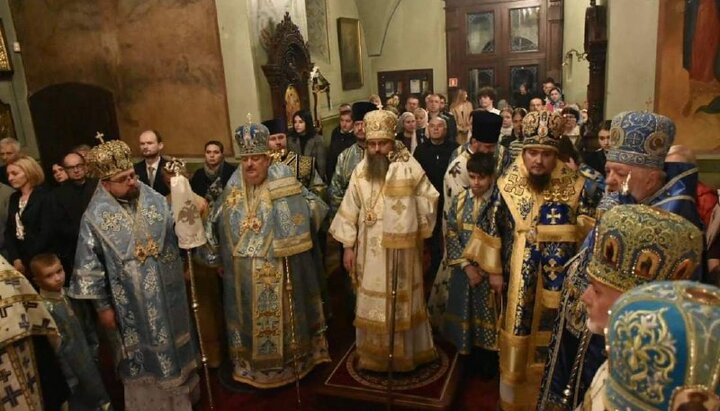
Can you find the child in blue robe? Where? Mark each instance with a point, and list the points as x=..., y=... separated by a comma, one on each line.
x=75, y=355
x=471, y=314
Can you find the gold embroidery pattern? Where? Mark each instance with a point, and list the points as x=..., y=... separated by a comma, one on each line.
x=234, y=197
x=561, y=189
x=399, y=155
x=111, y=221
x=664, y=247
x=515, y=184
x=268, y=339
x=399, y=207
x=306, y=165
x=648, y=352
x=298, y=219
x=151, y=214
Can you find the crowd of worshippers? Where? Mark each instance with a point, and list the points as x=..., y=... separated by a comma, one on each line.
x=576, y=259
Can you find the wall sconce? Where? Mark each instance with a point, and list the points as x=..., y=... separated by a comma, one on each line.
x=569, y=56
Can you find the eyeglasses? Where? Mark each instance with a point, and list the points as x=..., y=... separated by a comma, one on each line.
x=124, y=180
x=75, y=167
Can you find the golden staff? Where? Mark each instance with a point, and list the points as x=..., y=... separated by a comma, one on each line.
x=391, y=344
x=176, y=166
x=567, y=393
x=196, y=310
x=293, y=340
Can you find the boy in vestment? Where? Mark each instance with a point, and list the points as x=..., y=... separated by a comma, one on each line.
x=471, y=314
x=75, y=355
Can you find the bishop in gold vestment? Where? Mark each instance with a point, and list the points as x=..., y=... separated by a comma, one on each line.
x=385, y=214
x=537, y=214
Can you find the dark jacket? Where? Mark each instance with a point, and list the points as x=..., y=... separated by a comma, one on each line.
x=69, y=204
x=339, y=141
x=159, y=184
x=434, y=159
x=200, y=182
x=521, y=100
x=407, y=142
x=37, y=218
x=5, y=193
x=421, y=136
x=313, y=147
x=595, y=159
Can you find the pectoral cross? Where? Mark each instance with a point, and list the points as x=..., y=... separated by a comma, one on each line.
x=553, y=216
x=251, y=223
x=100, y=136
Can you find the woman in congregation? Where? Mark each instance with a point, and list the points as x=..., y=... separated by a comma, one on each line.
x=58, y=173
x=303, y=139
x=461, y=109
x=555, y=100
x=28, y=230
x=421, y=122
x=407, y=134
x=507, y=125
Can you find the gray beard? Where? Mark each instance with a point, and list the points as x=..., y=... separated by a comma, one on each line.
x=377, y=167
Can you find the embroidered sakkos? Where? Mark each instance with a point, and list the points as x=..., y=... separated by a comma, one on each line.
x=386, y=227
x=264, y=234
x=527, y=237
x=128, y=259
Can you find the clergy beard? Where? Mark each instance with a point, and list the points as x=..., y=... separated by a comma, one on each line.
x=377, y=167
x=132, y=194
x=538, y=183
x=594, y=327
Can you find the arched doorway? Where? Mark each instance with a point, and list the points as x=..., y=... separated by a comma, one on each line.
x=69, y=114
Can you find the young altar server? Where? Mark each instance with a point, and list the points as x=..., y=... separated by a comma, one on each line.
x=471, y=313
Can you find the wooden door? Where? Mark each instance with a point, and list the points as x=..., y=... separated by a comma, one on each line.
x=405, y=83
x=503, y=43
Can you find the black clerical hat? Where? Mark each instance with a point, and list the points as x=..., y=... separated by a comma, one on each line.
x=486, y=126
x=275, y=126
x=361, y=108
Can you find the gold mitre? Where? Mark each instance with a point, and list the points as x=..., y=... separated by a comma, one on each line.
x=108, y=158
x=380, y=125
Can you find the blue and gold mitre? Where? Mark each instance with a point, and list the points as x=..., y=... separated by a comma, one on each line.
x=637, y=244
x=542, y=129
x=662, y=342
x=252, y=138
x=640, y=138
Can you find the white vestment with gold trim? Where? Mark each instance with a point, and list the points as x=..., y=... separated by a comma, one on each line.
x=385, y=222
